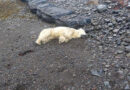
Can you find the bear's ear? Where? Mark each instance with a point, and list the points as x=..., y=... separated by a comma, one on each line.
x=80, y=29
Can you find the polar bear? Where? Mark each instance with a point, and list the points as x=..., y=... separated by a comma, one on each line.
x=64, y=34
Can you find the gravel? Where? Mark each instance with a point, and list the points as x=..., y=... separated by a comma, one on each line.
x=98, y=62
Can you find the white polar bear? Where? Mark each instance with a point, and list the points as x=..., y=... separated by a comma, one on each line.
x=64, y=34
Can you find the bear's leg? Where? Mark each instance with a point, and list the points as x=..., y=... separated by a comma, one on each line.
x=66, y=40
x=38, y=41
x=61, y=39
x=46, y=40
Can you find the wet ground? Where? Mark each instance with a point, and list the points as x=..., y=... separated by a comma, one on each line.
x=81, y=64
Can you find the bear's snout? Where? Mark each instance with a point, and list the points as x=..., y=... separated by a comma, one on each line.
x=83, y=36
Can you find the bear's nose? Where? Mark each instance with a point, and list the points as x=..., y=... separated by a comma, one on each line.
x=83, y=36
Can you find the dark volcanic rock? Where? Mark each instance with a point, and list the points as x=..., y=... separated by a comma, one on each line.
x=50, y=13
x=60, y=16
x=76, y=22
x=24, y=0
x=53, y=14
x=33, y=4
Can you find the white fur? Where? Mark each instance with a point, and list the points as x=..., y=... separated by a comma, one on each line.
x=64, y=34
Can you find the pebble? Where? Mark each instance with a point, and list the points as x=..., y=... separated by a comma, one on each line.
x=127, y=40
x=33, y=36
x=99, y=27
x=128, y=6
x=115, y=12
x=110, y=28
x=101, y=8
x=110, y=24
x=119, y=52
x=128, y=55
x=107, y=84
x=127, y=87
x=110, y=38
x=127, y=48
x=121, y=74
x=125, y=43
x=96, y=73
x=107, y=66
x=114, y=35
x=107, y=1
x=128, y=77
x=107, y=20
x=109, y=7
x=94, y=22
x=118, y=42
x=119, y=19
x=115, y=30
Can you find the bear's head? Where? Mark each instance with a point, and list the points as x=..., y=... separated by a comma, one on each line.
x=81, y=32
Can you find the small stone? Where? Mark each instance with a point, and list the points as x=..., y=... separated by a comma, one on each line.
x=96, y=73
x=119, y=19
x=128, y=77
x=128, y=55
x=101, y=8
x=107, y=1
x=127, y=87
x=94, y=22
x=110, y=24
x=109, y=7
x=110, y=38
x=121, y=74
x=119, y=52
x=100, y=47
x=125, y=43
x=110, y=29
x=107, y=84
x=107, y=66
x=107, y=20
x=74, y=75
x=118, y=42
x=99, y=27
x=128, y=6
x=115, y=12
x=114, y=35
x=127, y=48
x=33, y=36
x=115, y=30
x=127, y=40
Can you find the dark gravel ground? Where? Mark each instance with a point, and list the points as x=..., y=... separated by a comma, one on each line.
x=98, y=62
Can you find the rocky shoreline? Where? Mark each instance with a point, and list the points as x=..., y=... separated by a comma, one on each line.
x=98, y=62
x=109, y=19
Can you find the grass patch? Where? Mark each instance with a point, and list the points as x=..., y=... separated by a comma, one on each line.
x=7, y=8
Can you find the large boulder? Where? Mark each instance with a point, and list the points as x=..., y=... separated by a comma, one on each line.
x=33, y=4
x=76, y=22
x=26, y=0
x=51, y=13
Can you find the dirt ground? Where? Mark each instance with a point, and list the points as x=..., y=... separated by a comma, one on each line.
x=81, y=64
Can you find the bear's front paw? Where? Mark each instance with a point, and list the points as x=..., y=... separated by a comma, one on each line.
x=38, y=42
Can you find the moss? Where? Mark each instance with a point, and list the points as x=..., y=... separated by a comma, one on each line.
x=7, y=8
